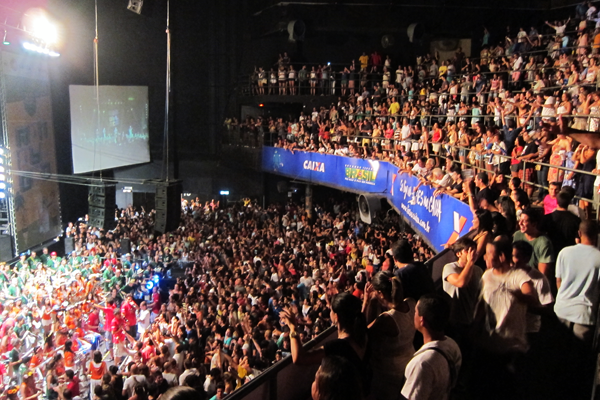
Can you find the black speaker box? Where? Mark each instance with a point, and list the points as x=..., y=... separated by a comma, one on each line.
x=168, y=206
x=69, y=245
x=125, y=246
x=6, y=251
x=101, y=205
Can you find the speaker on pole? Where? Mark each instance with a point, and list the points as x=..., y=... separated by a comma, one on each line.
x=6, y=250
x=125, y=246
x=168, y=205
x=69, y=245
x=368, y=206
x=101, y=205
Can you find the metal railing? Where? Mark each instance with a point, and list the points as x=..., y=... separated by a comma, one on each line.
x=284, y=380
x=394, y=147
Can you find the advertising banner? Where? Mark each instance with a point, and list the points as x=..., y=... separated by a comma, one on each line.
x=439, y=219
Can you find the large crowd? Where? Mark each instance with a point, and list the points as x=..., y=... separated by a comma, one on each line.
x=105, y=324
x=494, y=132
x=501, y=112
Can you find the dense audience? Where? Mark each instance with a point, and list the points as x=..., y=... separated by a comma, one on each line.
x=494, y=131
x=502, y=112
x=102, y=319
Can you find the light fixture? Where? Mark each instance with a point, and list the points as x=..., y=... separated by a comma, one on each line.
x=39, y=49
x=2, y=186
x=43, y=29
x=5, y=41
x=2, y=178
x=2, y=195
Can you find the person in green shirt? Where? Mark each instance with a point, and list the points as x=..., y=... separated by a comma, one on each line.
x=13, y=289
x=118, y=279
x=33, y=259
x=23, y=263
x=543, y=252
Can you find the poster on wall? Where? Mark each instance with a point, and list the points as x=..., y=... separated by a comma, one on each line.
x=28, y=115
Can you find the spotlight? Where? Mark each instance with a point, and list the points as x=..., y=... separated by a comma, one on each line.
x=2, y=178
x=149, y=285
x=44, y=30
x=1, y=170
x=1, y=151
x=2, y=195
x=2, y=186
x=5, y=41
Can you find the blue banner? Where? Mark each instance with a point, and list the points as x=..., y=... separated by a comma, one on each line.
x=439, y=219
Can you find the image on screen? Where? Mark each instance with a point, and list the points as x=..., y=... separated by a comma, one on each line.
x=112, y=135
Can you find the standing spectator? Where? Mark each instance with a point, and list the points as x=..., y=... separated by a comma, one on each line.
x=433, y=370
x=461, y=280
x=561, y=225
x=416, y=280
x=577, y=275
x=543, y=252
x=391, y=333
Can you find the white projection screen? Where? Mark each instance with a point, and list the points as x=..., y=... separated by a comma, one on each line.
x=116, y=136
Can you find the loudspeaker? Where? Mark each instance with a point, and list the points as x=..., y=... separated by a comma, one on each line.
x=282, y=186
x=101, y=205
x=125, y=246
x=368, y=206
x=6, y=251
x=135, y=6
x=168, y=206
x=69, y=245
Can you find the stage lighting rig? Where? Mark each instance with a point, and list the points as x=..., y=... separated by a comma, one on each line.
x=40, y=48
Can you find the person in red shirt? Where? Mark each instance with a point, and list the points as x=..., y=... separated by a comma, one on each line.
x=149, y=351
x=117, y=329
x=73, y=383
x=128, y=310
x=108, y=320
x=93, y=321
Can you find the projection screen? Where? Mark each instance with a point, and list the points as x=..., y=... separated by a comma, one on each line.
x=117, y=135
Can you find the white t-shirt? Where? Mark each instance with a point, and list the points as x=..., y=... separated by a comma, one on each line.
x=578, y=267
x=506, y=315
x=428, y=373
x=129, y=384
x=542, y=287
x=143, y=321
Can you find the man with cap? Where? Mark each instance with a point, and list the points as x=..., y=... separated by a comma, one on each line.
x=54, y=261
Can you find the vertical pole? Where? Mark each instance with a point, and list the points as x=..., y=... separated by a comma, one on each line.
x=308, y=200
x=167, y=97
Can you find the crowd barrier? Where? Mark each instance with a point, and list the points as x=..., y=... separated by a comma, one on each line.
x=439, y=219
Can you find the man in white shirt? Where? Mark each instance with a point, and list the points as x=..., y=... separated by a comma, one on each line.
x=433, y=370
x=143, y=318
x=577, y=276
x=190, y=369
x=130, y=383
